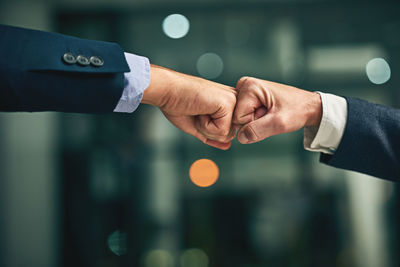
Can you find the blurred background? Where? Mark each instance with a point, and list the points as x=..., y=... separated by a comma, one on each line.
x=114, y=190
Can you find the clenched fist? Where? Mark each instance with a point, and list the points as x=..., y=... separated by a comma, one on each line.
x=265, y=109
x=197, y=106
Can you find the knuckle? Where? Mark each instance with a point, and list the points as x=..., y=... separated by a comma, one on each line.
x=229, y=100
x=243, y=79
x=222, y=132
x=249, y=81
x=232, y=98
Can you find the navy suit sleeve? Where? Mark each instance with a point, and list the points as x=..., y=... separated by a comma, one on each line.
x=371, y=141
x=34, y=77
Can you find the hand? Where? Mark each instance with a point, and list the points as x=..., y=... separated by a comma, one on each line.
x=198, y=107
x=265, y=109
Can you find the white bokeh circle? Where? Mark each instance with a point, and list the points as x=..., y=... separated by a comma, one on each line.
x=378, y=71
x=176, y=26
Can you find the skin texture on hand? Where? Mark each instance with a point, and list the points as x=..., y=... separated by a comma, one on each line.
x=197, y=106
x=265, y=109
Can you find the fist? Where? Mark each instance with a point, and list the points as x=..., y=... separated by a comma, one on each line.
x=196, y=106
x=265, y=109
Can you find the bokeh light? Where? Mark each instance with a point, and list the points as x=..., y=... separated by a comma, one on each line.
x=194, y=257
x=378, y=71
x=159, y=258
x=210, y=65
x=204, y=172
x=176, y=26
x=117, y=243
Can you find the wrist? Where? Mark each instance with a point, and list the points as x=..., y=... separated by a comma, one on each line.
x=162, y=80
x=314, y=110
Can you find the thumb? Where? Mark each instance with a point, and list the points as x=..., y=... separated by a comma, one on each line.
x=260, y=129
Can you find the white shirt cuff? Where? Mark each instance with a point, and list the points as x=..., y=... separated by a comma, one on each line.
x=327, y=137
x=135, y=82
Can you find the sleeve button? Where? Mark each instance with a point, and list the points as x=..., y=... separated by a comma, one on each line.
x=96, y=61
x=69, y=58
x=82, y=60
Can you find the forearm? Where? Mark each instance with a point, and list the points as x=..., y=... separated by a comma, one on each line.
x=35, y=75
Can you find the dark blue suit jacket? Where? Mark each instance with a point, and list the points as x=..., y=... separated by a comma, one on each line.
x=371, y=141
x=34, y=76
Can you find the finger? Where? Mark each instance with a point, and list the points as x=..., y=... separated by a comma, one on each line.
x=241, y=82
x=224, y=145
x=213, y=143
x=220, y=145
x=261, y=129
x=231, y=135
x=247, y=105
x=187, y=124
x=218, y=130
x=260, y=112
x=199, y=136
x=218, y=138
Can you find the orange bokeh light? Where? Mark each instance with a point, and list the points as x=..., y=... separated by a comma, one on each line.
x=204, y=172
